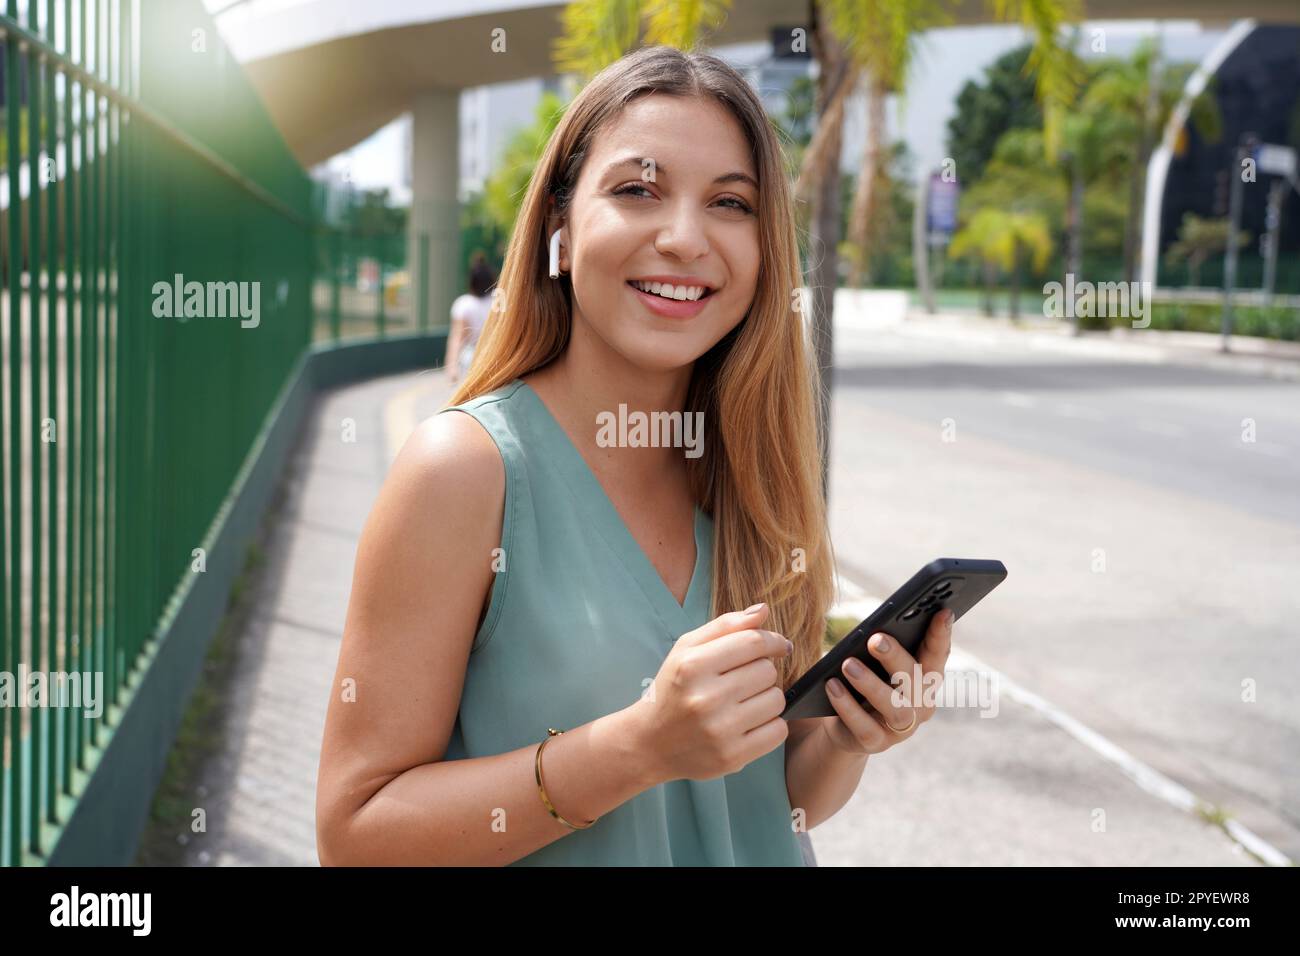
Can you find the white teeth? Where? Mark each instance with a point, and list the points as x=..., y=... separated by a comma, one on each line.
x=680, y=293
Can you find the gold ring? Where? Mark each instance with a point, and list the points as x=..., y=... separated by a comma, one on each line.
x=904, y=729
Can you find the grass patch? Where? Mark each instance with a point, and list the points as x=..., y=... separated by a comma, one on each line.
x=836, y=628
x=202, y=729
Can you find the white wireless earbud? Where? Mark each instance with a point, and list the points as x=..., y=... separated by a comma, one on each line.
x=555, y=254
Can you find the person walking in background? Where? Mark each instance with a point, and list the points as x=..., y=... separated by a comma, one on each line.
x=468, y=315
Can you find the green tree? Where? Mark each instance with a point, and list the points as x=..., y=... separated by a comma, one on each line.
x=1005, y=218
x=480, y=231
x=1004, y=239
x=505, y=188
x=1002, y=100
x=877, y=37
x=1093, y=149
x=373, y=215
x=880, y=37
x=1198, y=239
x=598, y=32
x=890, y=235
x=1139, y=94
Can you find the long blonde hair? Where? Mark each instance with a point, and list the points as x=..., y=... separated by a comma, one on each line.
x=760, y=474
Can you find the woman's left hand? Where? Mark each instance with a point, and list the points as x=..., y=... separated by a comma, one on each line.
x=861, y=731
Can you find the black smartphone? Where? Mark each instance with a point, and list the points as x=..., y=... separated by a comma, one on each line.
x=943, y=583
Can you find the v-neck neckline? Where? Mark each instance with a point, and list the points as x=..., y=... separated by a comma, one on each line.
x=592, y=496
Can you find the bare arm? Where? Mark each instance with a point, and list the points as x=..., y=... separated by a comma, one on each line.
x=454, y=340
x=820, y=778
x=384, y=794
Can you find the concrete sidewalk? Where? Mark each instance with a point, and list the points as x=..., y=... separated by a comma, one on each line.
x=259, y=790
x=1020, y=790
x=1246, y=355
x=891, y=309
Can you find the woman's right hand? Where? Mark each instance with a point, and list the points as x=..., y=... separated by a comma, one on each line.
x=715, y=704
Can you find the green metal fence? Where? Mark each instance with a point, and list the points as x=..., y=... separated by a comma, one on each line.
x=159, y=248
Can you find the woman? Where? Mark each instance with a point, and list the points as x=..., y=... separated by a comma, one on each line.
x=469, y=313
x=528, y=568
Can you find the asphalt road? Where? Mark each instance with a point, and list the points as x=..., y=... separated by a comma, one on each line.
x=1152, y=550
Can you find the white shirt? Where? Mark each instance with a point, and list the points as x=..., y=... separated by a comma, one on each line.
x=473, y=311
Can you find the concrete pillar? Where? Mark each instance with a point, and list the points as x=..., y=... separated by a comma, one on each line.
x=433, y=241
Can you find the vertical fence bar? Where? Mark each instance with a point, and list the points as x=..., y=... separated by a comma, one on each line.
x=86, y=355
x=112, y=381
x=99, y=474
x=379, y=272
x=53, y=180
x=71, y=260
x=336, y=280
x=92, y=388
x=424, y=282
x=131, y=625
x=37, y=762
x=13, y=722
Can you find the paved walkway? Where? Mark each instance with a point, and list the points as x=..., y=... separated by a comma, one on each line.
x=259, y=791
x=959, y=800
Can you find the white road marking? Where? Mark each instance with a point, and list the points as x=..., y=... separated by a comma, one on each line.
x=1019, y=399
x=1272, y=449
x=1070, y=410
x=1161, y=428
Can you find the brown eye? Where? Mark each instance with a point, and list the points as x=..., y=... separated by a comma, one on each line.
x=740, y=204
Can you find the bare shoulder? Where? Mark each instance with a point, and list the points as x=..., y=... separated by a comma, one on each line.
x=441, y=500
x=451, y=453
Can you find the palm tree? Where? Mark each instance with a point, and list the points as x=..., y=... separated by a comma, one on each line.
x=1139, y=94
x=879, y=37
x=1008, y=212
x=1198, y=239
x=598, y=32
x=505, y=188
x=1002, y=239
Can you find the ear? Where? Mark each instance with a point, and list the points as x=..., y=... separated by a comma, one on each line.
x=565, y=263
x=553, y=219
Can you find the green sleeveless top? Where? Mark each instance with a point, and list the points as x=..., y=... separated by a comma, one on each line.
x=578, y=624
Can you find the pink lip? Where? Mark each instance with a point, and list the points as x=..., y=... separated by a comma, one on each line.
x=670, y=308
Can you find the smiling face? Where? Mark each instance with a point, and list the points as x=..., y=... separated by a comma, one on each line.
x=667, y=191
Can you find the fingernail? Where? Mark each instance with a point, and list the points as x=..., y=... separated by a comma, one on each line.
x=755, y=608
x=789, y=646
x=854, y=667
x=834, y=687
x=884, y=644
x=952, y=616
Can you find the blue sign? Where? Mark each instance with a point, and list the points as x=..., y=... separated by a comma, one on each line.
x=941, y=205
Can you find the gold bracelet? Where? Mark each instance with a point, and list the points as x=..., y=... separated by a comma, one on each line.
x=552, y=732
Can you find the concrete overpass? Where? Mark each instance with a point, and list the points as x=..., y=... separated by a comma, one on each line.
x=332, y=72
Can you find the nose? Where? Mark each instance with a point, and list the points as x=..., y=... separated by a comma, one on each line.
x=683, y=235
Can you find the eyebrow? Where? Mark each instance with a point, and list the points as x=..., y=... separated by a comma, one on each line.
x=640, y=161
